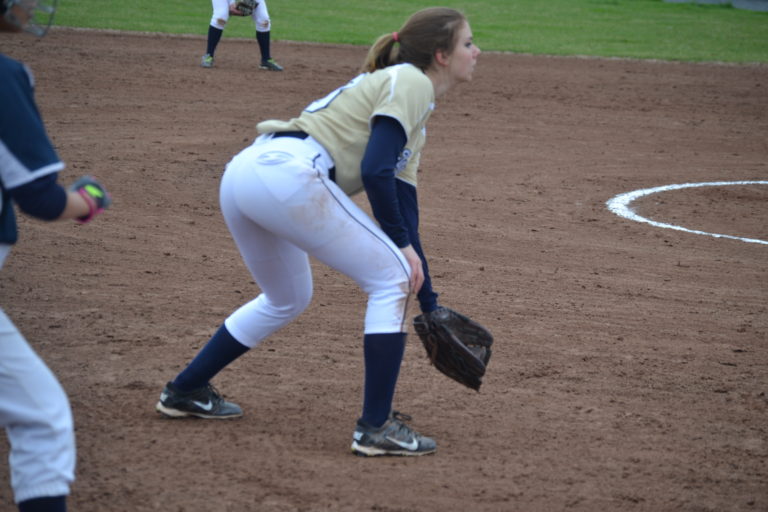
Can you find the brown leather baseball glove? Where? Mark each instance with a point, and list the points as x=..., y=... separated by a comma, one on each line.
x=458, y=346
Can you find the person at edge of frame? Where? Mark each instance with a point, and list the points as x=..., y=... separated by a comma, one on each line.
x=34, y=408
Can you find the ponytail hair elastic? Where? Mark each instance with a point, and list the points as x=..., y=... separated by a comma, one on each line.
x=396, y=37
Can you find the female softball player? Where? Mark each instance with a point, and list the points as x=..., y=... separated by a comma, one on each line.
x=222, y=9
x=286, y=197
x=34, y=409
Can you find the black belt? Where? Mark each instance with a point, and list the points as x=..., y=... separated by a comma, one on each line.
x=295, y=134
x=304, y=135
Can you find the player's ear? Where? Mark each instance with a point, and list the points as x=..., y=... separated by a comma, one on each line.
x=441, y=57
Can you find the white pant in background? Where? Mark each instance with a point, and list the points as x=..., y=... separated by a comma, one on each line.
x=221, y=15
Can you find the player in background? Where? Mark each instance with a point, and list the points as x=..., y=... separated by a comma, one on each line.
x=222, y=9
x=286, y=197
x=34, y=409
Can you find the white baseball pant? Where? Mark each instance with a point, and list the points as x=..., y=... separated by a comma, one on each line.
x=281, y=207
x=35, y=412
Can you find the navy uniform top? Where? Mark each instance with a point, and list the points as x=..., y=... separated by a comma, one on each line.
x=26, y=153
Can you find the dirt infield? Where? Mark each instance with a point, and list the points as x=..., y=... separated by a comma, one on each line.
x=631, y=365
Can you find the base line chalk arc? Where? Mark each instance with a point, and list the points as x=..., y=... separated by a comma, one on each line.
x=620, y=205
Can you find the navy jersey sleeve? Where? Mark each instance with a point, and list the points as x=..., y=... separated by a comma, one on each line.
x=43, y=198
x=409, y=208
x=26, y=152
x=384, y=147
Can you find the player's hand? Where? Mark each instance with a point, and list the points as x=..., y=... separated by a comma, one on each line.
x=94, y=194
x=417, y=269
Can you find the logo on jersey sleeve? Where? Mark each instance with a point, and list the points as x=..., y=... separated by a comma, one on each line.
x=402, y=161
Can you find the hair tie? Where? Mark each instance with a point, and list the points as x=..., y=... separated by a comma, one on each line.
x=396, y=37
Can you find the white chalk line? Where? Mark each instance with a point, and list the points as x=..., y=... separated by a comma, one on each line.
x=620, y=206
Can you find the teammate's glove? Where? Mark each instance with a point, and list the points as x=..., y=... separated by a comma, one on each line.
x=95, y=195
x=458, y=346
x=243, y=7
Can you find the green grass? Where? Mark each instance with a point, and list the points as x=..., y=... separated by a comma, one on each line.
x=644, y=29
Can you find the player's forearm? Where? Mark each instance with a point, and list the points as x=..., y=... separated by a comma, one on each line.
x=382, y=196
x=427, y=296
x=75, y=208
x=45, y=199
x=42, y=198
x=409, y=209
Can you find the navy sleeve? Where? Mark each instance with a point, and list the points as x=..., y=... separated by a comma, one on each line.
x=43, y=198
x=384, y=147
x=409, y=208
x=26, y=151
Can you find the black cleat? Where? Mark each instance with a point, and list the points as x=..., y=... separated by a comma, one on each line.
x=205, y=402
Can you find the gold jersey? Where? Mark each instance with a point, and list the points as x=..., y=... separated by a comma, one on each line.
x=341, y=121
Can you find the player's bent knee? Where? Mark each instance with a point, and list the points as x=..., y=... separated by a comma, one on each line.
x=291, y=310
x=387, y=308
x=297, y=308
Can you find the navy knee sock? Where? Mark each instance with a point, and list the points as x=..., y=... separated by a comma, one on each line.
x=383, y=354
x=47, y=504
x=214, y=35
x=263, y=40
x=220, y=350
